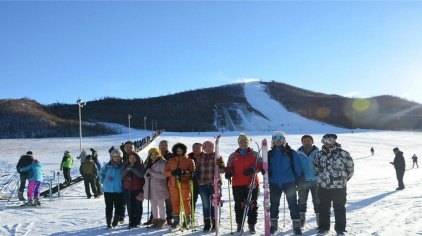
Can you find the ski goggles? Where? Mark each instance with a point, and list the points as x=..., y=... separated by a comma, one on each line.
x=278, y=138
x=328, y=140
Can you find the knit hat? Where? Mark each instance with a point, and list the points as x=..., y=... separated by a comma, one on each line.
x=243, y=138
x=396, y=149
x=66, y=152
x=334, y=136
x=154, y=150
x=29, y=152
x=116, y=152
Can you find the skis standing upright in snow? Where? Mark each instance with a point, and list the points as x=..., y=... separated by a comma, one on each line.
x=217, y=195
x=266, y=187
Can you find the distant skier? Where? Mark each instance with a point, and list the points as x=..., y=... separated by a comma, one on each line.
x=241, y=165
x=24, y=160
x=94, y=155
x=35, y=178
x=66, y=166
x=372, y=151
x=307, y=154
x=415, y=161
x=334, y=167
x=285, y=169
x=400, y=165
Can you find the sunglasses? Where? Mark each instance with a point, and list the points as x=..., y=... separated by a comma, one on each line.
x=278, y=138
x=328, y=140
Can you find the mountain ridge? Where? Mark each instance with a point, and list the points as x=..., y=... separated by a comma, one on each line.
x=202, y=110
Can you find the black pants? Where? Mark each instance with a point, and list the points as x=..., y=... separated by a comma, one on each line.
x=22, y=183
x=66, y=174
x=400, y=175
x=415, y=162
x=114, y=201
x=134, y=207
x=195, y=194
x=338, y=197
x=90, y=180
x=240, y=194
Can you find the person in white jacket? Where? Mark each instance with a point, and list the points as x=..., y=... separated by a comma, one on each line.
x=155, y=188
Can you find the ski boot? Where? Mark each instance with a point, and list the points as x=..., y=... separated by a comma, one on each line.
x=207, y=225
x=274, y=226
x=252, y=229
x=21, y=197
x=175, y=225
x=296, y=227
x=302, y=219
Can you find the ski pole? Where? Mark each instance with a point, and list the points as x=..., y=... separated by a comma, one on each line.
x=193, y=205
x=230, y=207
x=149, y=196
x=182, y=206
x=284, y=210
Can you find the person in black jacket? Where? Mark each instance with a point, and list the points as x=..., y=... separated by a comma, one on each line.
x=400, y=166
x=24, y=160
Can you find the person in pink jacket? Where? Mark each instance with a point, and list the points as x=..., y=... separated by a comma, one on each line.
x=155, y=188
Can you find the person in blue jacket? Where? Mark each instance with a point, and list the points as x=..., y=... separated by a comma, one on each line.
x=35, y=177
x=285, y=169
x=111, y=179
x=307, y=153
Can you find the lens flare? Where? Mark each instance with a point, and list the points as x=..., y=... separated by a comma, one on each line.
x=361, y=104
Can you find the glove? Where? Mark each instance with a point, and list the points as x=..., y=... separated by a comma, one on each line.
x=220, y=163
x=249, y=171
x=178, y=172
x=193, y=175
x=148, y=175
x=228, y=175
x=263, y=172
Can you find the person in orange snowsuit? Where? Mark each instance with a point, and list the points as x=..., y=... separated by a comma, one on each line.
x=180, y=169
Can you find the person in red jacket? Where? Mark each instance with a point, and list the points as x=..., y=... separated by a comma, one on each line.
x=133, y=172
x=241, y=167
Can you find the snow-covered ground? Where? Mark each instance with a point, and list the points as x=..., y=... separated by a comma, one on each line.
x=373, y=207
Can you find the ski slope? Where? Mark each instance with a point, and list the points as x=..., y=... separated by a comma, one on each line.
x=373, y=207
x=278, y=117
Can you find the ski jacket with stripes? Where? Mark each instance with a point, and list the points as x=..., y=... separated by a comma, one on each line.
x=308, y=163
x=284, y=166
x=334, y=167
x=238, y=163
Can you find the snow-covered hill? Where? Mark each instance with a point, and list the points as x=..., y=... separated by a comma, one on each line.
x=373, y=207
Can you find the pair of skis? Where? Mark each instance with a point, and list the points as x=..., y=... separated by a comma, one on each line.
x=264, y=155
x=217, y=192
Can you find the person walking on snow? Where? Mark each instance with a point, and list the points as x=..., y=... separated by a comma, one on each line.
x=307, y=155
x=179, y=170
x=24, y=160
x=89, y=172
x=241, y=166
x=155, y=188
x=66, y=166
x=205, y=177
x=36, y=177
x=334, y=168
x=415, y=161
x=285, y=170
x=400, y=165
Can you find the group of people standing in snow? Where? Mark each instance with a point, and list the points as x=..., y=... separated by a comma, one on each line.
x=173, y=181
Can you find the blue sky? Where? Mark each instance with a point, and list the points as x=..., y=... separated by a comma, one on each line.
x=59, y=51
